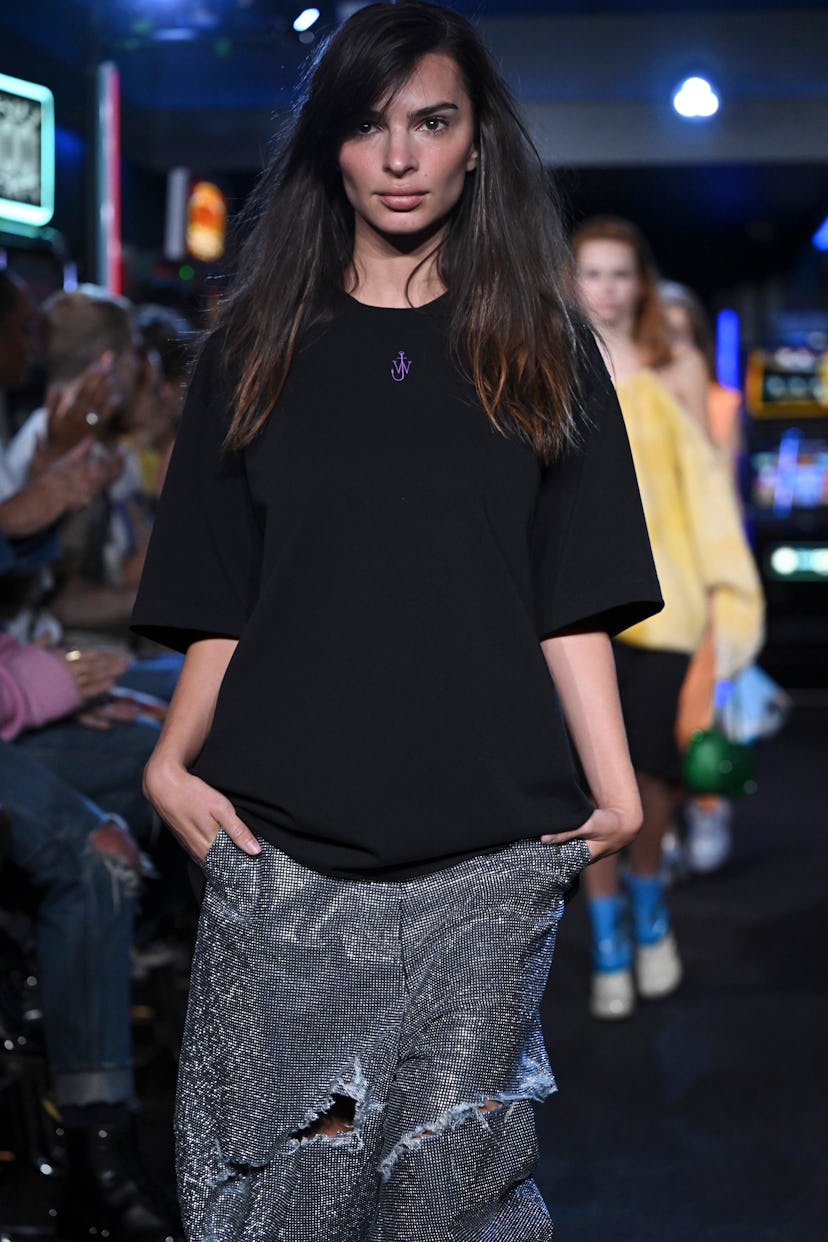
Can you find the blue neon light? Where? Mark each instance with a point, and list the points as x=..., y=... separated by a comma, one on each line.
x=820, y=237
x=727, y=348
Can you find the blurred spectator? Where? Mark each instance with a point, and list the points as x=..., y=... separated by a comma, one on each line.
x=93, y=370
x=31, y=503
x=70, y=774
x=77, y=867
x=169, y=343
x=87, y=578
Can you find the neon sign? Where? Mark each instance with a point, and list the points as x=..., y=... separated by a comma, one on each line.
x=27, y=151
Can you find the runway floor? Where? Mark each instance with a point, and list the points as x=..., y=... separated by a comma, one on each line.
x=705, y=1117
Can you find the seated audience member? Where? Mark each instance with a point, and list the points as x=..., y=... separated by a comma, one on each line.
x=91, y=352
x=32, y=503
x=169, y=343
x=60, y=461
x=111, y=760
x=80, y=866
x=151, y=421
x=91, y=345
x=96, y=743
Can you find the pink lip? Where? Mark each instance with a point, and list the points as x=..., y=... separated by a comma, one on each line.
x=399, y=201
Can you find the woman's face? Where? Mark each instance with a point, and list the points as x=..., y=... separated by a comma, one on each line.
x=405, y=166
x=609, y=286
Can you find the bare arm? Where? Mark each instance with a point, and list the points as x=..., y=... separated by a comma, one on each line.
x=193, y=809
x=686, y=378
x=583, y=669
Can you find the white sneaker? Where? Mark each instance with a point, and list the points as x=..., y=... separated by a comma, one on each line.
x=709, y=840
x=658, y=968
x=612, y=994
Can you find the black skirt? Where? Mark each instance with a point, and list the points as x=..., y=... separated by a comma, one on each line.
x=649, y=683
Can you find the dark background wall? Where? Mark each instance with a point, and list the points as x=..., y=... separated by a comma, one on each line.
x=730, y=206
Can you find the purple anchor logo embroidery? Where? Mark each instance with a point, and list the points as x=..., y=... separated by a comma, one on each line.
x=400, y=367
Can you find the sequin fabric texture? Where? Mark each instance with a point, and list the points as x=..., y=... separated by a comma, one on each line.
x=409, y=1008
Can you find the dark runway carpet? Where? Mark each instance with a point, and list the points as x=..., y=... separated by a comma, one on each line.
x=705, y=1117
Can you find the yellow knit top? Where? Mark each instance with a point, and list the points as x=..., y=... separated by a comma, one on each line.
x=704, y=564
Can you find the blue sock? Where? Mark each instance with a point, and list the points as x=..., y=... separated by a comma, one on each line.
x=611, y=948
x=651, y=922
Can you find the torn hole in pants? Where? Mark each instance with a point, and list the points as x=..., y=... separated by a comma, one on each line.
x=124, y=875
x=339, y=1118
x=333, y=1123
x=537, y=1087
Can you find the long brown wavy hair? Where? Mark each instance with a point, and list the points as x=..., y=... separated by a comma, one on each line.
x=651, y=331
x=502, y=258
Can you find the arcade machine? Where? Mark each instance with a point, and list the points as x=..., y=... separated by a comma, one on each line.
x=786, y=398
x=27, y=184
x=28, y=245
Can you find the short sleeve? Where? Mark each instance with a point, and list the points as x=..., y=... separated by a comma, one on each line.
x=591, y=559
x=201, y=572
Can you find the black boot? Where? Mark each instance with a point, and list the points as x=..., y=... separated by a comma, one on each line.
x=104, y=1194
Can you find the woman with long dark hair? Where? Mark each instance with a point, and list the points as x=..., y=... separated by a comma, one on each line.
x=401, y=497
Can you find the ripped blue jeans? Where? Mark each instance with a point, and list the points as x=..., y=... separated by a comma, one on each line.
x=410, y=1010
x=105, y=766
x=83, y=920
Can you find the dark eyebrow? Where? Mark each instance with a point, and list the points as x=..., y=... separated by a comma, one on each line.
x=420, y=113
x=438, y=107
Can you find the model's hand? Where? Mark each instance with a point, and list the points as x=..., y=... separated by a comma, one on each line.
x=193, y=810
x=605, y=832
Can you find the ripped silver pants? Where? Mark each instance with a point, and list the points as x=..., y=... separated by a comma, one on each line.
x=415, y=1004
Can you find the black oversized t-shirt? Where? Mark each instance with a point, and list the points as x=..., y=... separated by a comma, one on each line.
x=389, y=563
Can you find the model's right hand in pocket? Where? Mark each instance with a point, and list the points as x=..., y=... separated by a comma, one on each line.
x=193, y=810
x=605, y=832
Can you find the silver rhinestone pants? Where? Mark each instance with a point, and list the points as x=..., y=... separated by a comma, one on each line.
x=413, y=1005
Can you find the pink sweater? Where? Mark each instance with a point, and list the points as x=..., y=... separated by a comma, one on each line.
x=35, y=687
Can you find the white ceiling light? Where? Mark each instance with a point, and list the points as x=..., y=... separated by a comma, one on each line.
x=696, y=100
x=305, y=20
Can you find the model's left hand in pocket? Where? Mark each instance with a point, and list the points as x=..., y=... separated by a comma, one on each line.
x=605, y=832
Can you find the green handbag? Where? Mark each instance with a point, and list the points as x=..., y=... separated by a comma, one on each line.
x=713, y=764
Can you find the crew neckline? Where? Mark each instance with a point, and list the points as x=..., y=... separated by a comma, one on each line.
x=369, y=308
